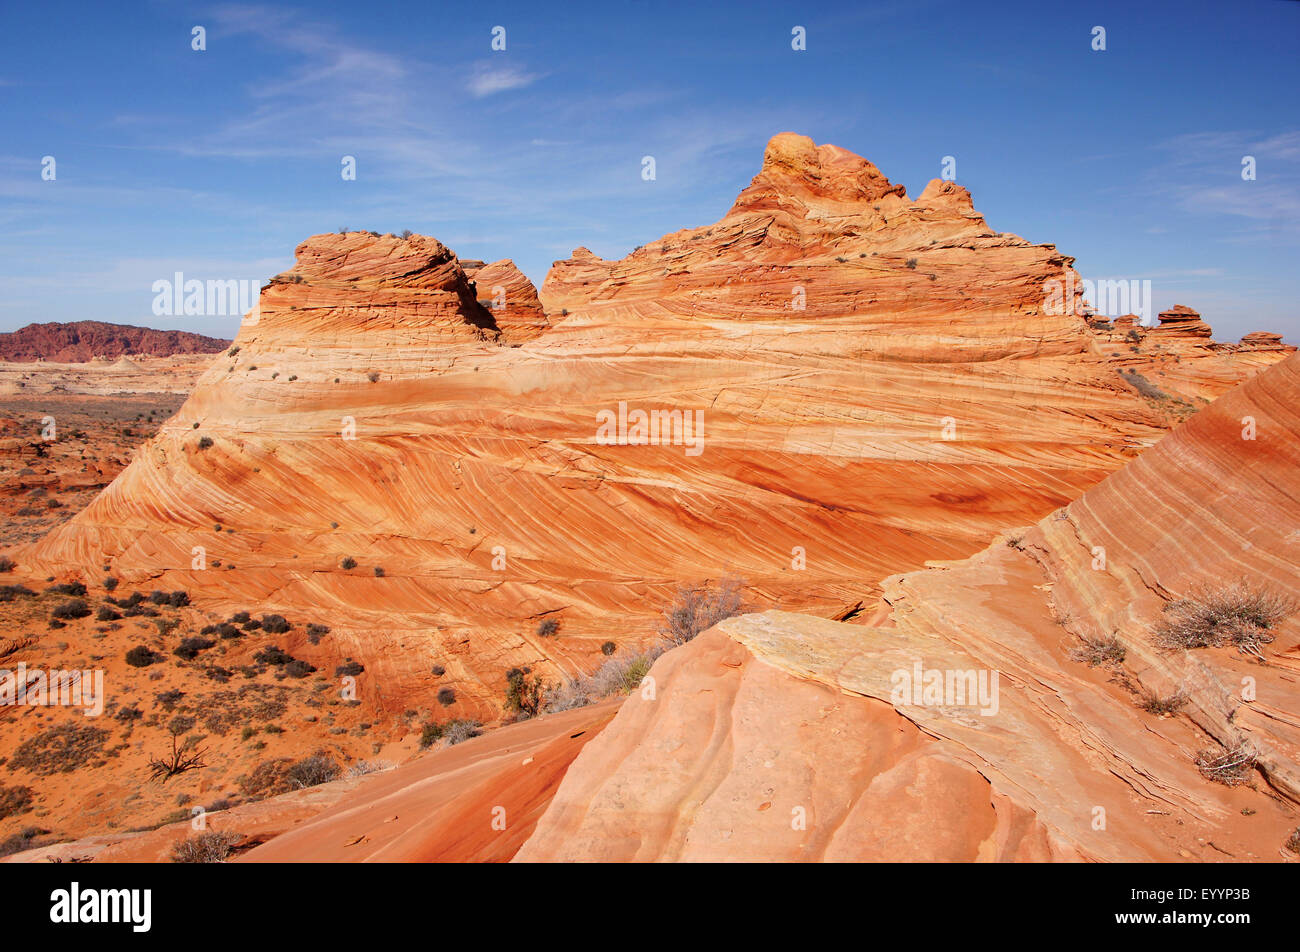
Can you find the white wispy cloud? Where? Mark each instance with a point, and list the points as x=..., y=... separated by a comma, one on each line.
x=1201, y=172
x=488, y=80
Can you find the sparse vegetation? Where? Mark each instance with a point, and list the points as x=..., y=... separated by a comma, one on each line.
x=911, y=264
x=19, y=842
x=450, y=732
x=6, y=564
x=209, y=847
x=547, y=627
x=62, y=749
x=1099, y=651
x=1154, y=702
x=699, y=608
x=364, y=767
x=297, y=668
x=523, y=693
x=141, y=656
x=1230, y=766
x=312, y=771
x=619, y=675
x=608, y=648
x=73, y=608
x=76, y=589
x=183, y=758
x=189, y=648
x=348, y=562
x=275, y=624
x=1236, y=614
x=273, y=655
x=205, y=442
x=446, y=697
x=351, y=669
x=9, y=592
x=14, y=800
x=1142, y=385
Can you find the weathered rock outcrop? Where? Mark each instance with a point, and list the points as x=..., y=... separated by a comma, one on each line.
x=779, y=736
x=511, y=297
x=869, y=382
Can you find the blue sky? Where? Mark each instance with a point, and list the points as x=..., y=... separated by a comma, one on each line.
x=218, y=163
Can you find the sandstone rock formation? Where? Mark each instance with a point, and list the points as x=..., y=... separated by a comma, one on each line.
x=511, y=297
x=788, y=737
x=783, y=737
x=1183, y=320
x=876, y=379
x=81, y=341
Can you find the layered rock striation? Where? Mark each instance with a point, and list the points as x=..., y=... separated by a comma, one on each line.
x=844, y=384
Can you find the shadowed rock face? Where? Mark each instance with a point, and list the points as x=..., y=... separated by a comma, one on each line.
x=80, y=341
x=768, y=715
x=511, y=298
x=373, y=409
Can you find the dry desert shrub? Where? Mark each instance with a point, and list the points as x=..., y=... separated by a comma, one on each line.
x=1230, y=766
x=183, y=757
x=1142, y=385
x=363, y=767
x=60, y=749
x=14, y=800
x=210, y=847
x=621, y=674
x=9, y=592
x=24, y=840
x=267, y=779
x=523, y=693
x=698, y=608
x=281, y=774
x=695, y=609
x=451, y=732
x=1098, y=651
x=312, y=771
x=1153, y=702
x=72, y=608
x=1236, y=613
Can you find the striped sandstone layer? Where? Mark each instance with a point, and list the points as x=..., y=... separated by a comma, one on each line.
x=877, y=382
x=780, y=737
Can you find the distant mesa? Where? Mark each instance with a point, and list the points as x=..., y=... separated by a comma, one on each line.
x=78, y=342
